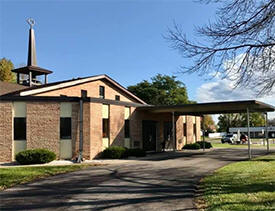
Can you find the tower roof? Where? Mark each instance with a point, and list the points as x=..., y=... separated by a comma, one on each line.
x=32, y=62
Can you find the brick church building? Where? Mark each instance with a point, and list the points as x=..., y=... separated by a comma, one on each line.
x=82, y=116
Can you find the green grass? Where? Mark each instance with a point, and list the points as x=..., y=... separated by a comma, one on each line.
x=226, y=145
x=247, y=185
x=17, y=175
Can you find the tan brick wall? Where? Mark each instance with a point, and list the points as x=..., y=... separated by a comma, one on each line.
x=96, y=129
x=92, y=91
x=86, y=130
x=135, y=127
x=198, y=129
x=189, y=125
x=75, y=129
x=43, y=126
x=116, y=119
x=6, y=132
x=179, y=133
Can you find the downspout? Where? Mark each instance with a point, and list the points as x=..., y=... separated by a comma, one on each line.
x=203, y=133
x=83, y=96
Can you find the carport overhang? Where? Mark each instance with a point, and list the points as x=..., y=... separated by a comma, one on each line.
x=201, y=109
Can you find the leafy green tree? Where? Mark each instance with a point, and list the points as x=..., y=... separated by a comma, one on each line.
x=208, y=123
x=5, y=70
x=239, y=120
x=162, y=90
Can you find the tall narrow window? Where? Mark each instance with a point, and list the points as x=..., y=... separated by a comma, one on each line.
x=19, y=121
x=102, y=92
x=194, y=130
x=19, y=128
x=105, y=121
x=184, y=129
x=65, y=128
x=105, y=128
x=127, y=128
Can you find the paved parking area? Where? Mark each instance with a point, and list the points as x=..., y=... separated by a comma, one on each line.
x=165, y=181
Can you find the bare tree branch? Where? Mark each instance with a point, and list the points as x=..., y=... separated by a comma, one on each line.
x=239, y=45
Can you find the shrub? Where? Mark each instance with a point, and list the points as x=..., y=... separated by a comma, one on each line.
x=208, y=145
x=191, y=146
x=35, y=156
x=136, y=152
x=114, y=152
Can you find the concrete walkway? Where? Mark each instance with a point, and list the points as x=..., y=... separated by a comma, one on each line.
x=165, y=181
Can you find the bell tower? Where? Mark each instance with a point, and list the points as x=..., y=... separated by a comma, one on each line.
x=31, y=71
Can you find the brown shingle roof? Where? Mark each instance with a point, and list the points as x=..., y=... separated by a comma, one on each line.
x=7, y=87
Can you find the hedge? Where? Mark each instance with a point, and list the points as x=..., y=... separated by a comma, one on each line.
x=208, y=145
x=117, y=152
x=191, y=146
x=35, y=156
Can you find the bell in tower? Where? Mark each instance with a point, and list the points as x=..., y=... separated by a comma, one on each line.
x=31, y=71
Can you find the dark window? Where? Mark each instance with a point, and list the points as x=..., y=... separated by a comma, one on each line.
x=194, y=129
x=184, y=129
x=19, y=129
x=117, y=97
x=127, y=128
x=105, y=128
x=102, y=92
x=65, y=128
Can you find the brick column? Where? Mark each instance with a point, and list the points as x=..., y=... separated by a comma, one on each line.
x=116, y=118
x=6, y=142
x=43, y=126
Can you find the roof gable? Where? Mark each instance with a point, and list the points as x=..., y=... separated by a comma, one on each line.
x=74, y=82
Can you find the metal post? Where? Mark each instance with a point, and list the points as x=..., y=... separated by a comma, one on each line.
x=266, y=132
x=80, y=156
x=203, y=133
x=248, y=134
x=46, y=79
x=174, y=134
x=30, y=78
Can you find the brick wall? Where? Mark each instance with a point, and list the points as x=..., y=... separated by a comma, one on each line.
x=96, y=129
x=92, y=91
x=179, y=133
x=116, y=118
x=75, y=130
x=43, y=125
x=189, y=125
x=6, y=142
x=198, y=129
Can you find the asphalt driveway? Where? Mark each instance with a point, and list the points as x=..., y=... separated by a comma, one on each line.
x=165, y=181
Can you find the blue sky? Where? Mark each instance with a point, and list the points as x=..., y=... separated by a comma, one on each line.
x=120, y=38
x=123, y=39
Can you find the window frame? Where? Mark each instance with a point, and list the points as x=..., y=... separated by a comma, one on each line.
x=105, y=134
x=117, y=97
x=102, y=92
x=127, y=128
x=15, y=129
x=62, y=129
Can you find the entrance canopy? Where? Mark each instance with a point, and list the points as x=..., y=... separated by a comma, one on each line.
x=200, y=109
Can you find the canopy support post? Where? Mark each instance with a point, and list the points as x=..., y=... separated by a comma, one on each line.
x=203, y=133
x=266, y=132
x=174, y=132
x=248, y=134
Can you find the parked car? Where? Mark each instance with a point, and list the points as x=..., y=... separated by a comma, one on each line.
x=229, y=138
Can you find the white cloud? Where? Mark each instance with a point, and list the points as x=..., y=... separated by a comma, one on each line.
x=223, y=90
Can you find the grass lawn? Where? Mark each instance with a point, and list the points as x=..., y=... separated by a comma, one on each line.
x=246, y=185
x=16, y=175
x=226, y=145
